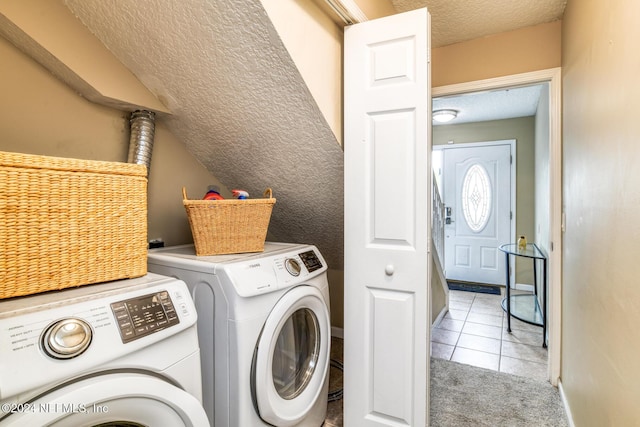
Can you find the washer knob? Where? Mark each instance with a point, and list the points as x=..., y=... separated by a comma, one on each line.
x=293, y=267
x=67, y=338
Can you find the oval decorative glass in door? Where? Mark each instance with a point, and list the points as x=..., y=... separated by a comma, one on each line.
x=476, y=197
x=296, y=354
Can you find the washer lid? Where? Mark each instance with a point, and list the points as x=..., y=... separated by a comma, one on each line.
x=111, y=399
x=291, y=361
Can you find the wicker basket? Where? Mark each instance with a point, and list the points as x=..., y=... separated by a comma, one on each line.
x=69, y=222
x=229, y=226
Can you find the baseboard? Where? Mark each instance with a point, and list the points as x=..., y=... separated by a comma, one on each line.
x=436, y=322
x=523, y=287
x=337, y=332
x=565, y=403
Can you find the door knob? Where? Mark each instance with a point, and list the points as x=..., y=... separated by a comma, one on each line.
x=389, y=270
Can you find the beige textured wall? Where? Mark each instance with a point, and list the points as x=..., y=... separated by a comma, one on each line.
x=374, y=9
x=601, y=297
x=513, y=52
x=51, y=35
x=41, y=115
x=523, y=131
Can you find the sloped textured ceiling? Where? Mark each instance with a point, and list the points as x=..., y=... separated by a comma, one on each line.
x=454, y=21
x=238, y=102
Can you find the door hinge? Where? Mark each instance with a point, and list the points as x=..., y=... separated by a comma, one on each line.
x=510, y=159
x=511, y=215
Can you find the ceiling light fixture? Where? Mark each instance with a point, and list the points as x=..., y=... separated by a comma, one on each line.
x=444, y=116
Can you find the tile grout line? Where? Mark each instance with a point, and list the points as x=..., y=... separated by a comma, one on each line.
x=502, y=340
x=464, y=322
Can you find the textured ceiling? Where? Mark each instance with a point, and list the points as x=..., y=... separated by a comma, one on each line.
x=454, y=21
x=238, y=102
x=491, y=105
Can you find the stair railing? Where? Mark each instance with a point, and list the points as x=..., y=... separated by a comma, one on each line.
x=437, y=226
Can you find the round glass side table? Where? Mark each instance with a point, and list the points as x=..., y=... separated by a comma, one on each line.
x=530, y=307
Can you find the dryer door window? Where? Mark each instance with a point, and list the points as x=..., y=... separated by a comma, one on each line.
x=291, y=360
x=296, y=353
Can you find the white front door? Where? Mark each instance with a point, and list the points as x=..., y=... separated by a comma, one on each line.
x=478, y=209
x=387, y=186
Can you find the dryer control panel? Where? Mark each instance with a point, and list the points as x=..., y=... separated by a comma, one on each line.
x=265, y=274
x=144, y=315
x=310, y=260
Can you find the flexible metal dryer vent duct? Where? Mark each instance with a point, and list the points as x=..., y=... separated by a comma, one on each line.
x=143, y=127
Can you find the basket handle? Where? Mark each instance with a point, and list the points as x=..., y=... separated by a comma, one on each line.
x=184, y=193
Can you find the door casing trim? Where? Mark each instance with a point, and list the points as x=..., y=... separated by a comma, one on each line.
x=552, y=76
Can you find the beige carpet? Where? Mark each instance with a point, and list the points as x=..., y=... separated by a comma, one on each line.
x=463, y=395
x=466, y=396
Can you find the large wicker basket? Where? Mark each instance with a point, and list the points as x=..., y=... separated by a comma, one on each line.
x=69, y=222
x=229, y=226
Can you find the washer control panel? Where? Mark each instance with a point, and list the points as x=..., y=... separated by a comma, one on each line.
x=140, y=316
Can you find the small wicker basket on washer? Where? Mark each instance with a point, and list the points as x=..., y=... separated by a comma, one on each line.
x=229, y=226
x=69, y=222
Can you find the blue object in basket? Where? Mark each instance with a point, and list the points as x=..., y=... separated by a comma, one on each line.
x=240, y=194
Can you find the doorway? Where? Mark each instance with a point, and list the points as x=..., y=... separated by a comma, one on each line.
x=550, y=188
x=477, y=183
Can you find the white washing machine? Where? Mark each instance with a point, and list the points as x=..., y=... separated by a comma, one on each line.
x=123, y=353
x=264, y=329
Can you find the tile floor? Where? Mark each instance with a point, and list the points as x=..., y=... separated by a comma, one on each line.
x=474, y=332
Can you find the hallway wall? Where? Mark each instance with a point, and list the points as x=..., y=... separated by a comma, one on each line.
x=601, y=297
x=512, y=52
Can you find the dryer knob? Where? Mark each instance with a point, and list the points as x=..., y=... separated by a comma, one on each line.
x=293, y=267
x=67, y=338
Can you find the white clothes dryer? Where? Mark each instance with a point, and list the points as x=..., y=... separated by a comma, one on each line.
x=264, y=329
x=122, y=353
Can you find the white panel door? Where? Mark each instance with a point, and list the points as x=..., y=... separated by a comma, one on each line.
x=477, y=198
x=387, y=185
